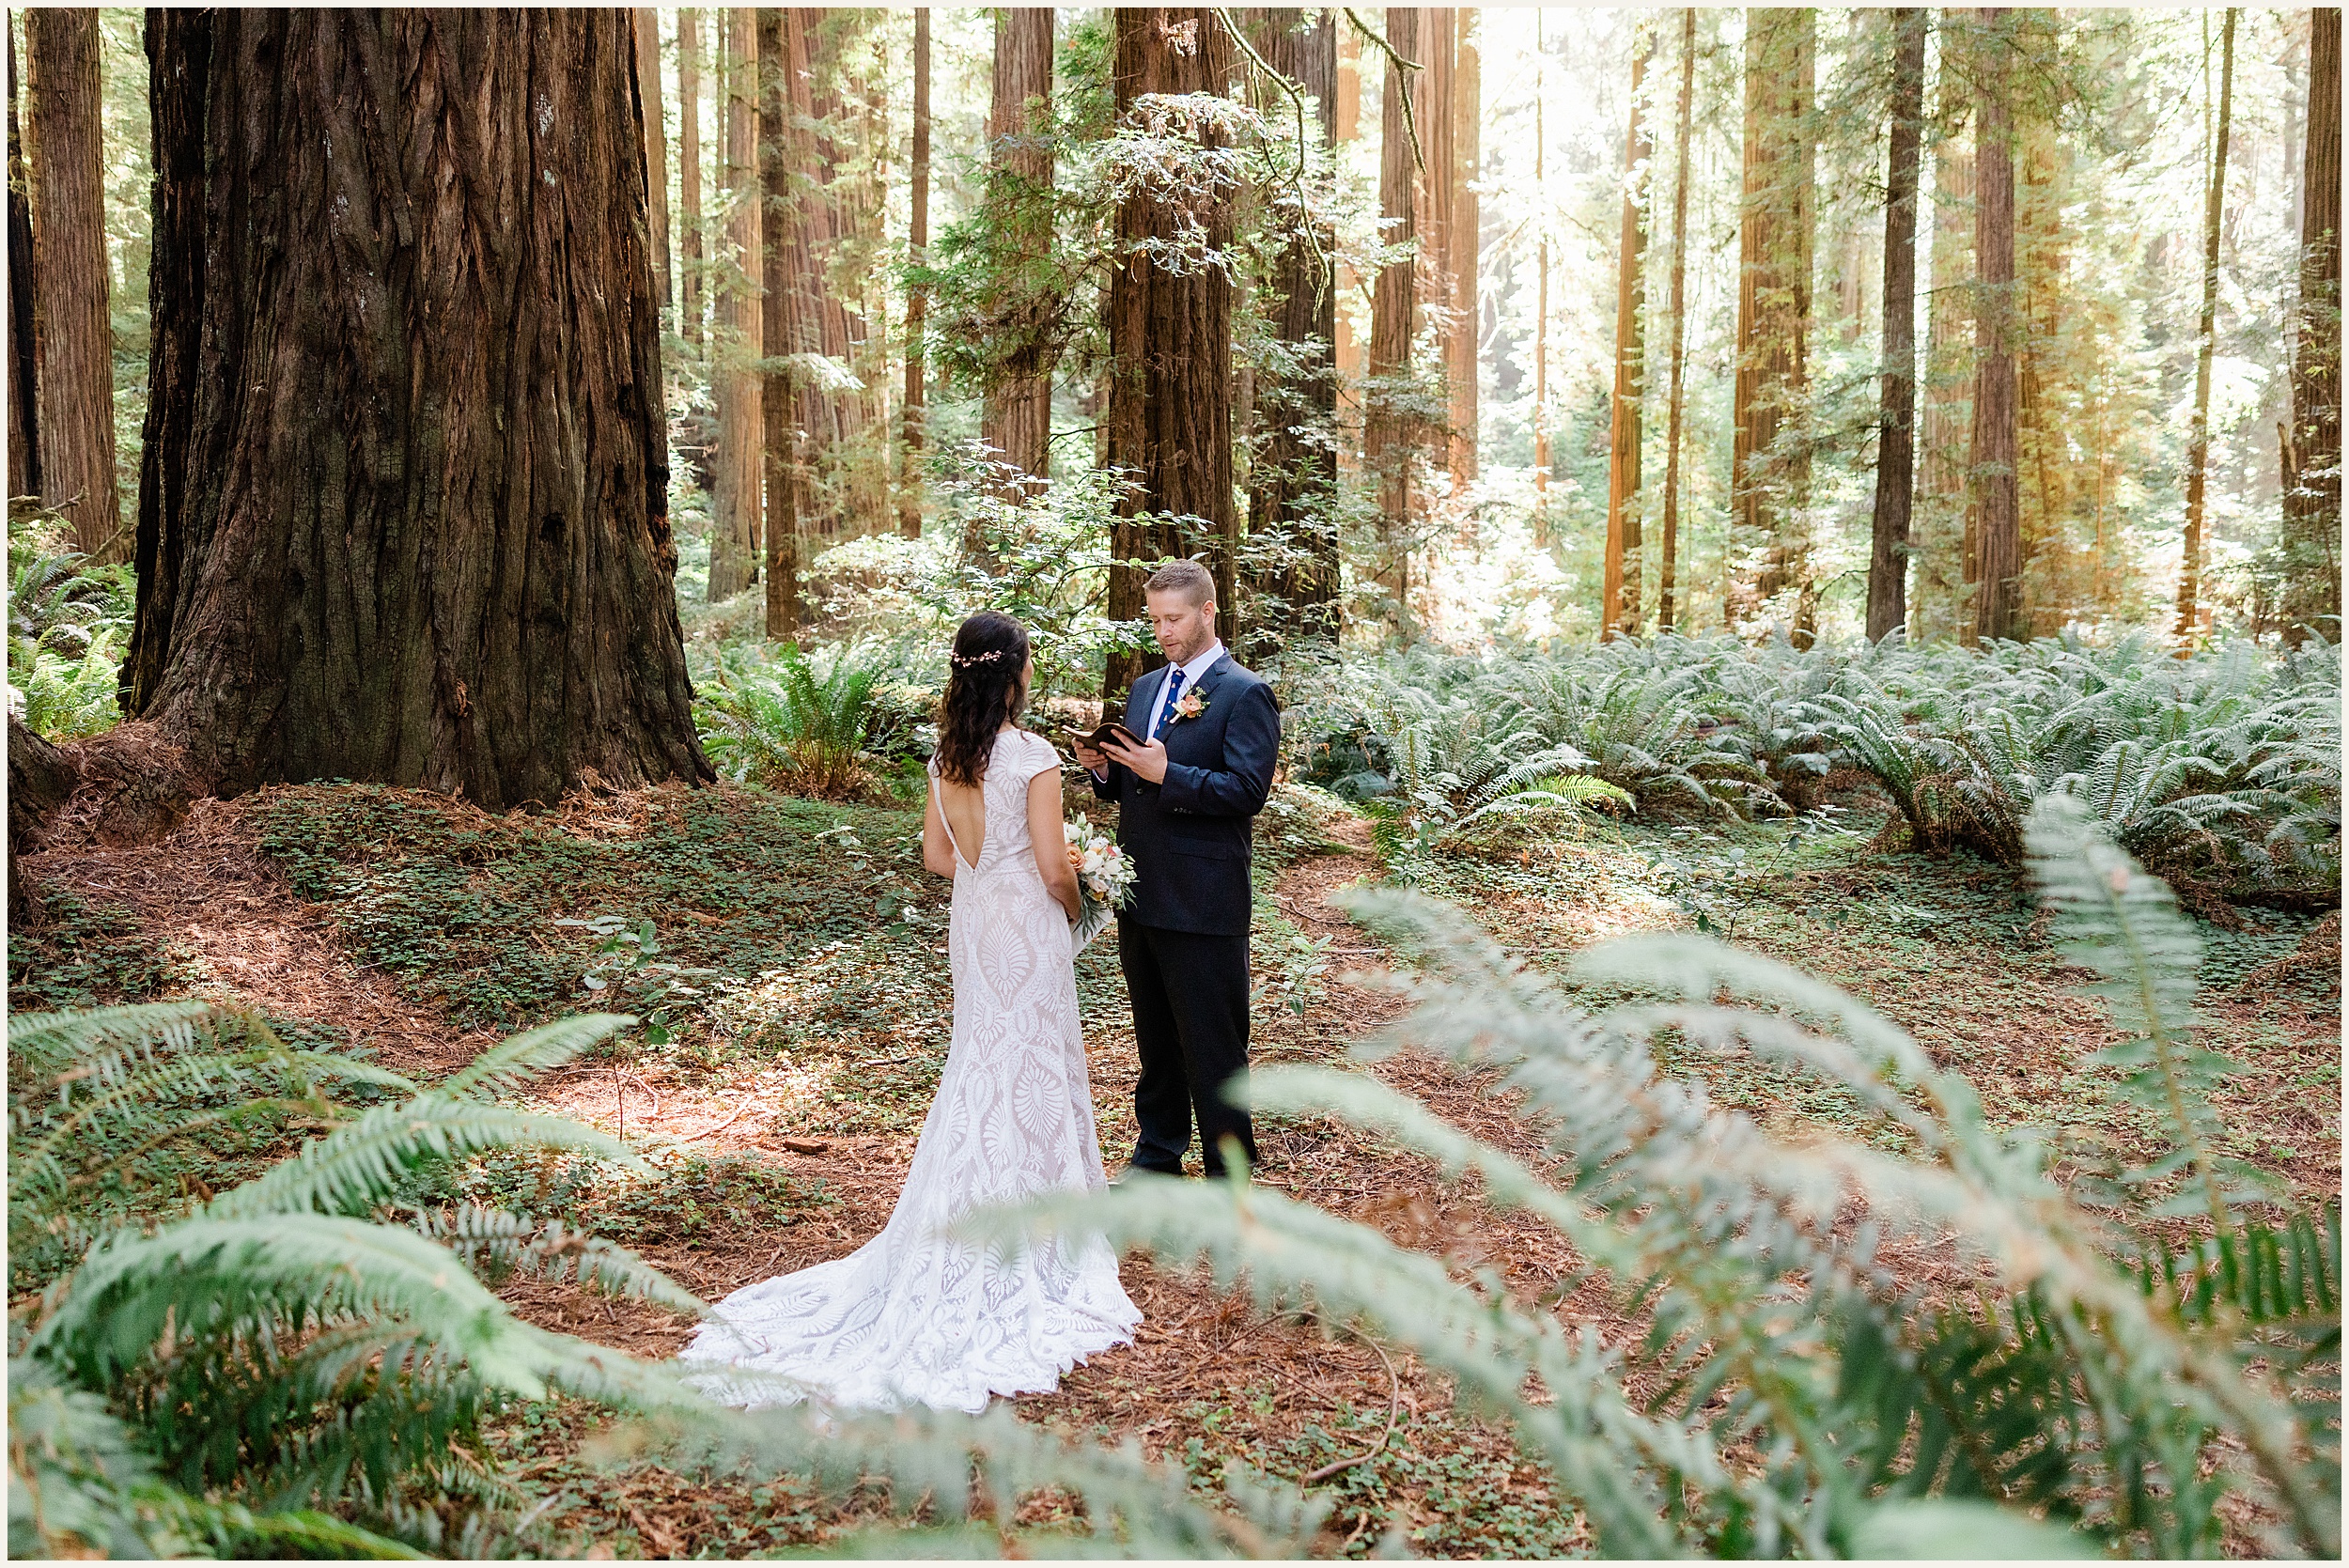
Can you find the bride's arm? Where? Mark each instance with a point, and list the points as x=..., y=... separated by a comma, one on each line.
x=1051, y=844
x=937, y=854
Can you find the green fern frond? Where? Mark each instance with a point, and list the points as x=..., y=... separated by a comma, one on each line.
x=514, y=1062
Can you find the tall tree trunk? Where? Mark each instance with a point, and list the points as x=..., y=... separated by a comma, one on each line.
x=2312, y=453
x=783, y=324
x=1170, y=340
x=1941, y=544
x=1896, y=438
x=1294, y=479
x=402, y=511
x=1389, y=429
x=1016, y=416
x=1434, y=94
x=1768, y=488
x=689, y=149
x=655, y=147
x=1668, y=566
x=1352, y=355
x=1998, y=501
x=2206, y=343
x=76, y=380
x=24, y=404
x=917, y=296
x=832, y=223
x=737, y=487
x=1619, y=597
x=1467, y=159
x=1541, y=306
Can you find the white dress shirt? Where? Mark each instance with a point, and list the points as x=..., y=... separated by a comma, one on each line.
x=1193, y=671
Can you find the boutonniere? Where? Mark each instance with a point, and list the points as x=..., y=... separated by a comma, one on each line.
x=1190, y=704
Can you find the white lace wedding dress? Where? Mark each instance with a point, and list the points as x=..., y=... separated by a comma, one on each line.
x=914, y=1317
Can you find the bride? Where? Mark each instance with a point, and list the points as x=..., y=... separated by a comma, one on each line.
x=912, y=1317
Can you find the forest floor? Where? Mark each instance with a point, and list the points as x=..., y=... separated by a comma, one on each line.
x=418, y=930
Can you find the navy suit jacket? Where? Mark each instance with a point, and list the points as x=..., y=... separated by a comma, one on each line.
x=1192, y=837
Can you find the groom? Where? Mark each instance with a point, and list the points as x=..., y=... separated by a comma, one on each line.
x=1210, y=733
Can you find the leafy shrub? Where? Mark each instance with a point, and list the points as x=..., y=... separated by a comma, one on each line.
x=1793, y=1395
x=69, y=623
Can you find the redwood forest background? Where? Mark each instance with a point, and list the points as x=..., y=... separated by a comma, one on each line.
x=1800, y=551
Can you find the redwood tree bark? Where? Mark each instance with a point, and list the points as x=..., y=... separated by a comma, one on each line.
x=1390, y=430
x=75, y=378
x=785, y=327
x=738, y=465
x=1170, y=338
x=917, y=296
x=1016, y=416
x=1294, y=479
x=1668, y=566
x=1941, y=526
x=1896, y=439
x=2206, y=342
x=2313, y=448
x=1619, y=592
x=402, y=514
x=655, y=147
x=689, y=174
x=1998, y=499
x=24, y=403
x=1774, y=241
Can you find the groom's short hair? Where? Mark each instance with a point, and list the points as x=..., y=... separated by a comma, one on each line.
x=1188, y=578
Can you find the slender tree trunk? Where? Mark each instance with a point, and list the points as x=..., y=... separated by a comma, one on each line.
x=1434, y=93
x=689, y=89
x=783, y=325
x=1541, y=306
x=1468, y=158
x=739, y=485
x=1896, y=439
x=24, y=403
x=1941, y=545
x=1998, y=502
x=76, y=380
x=1389, y=428
x=2206, y=342
x=655, y=147
x=1294, y=479
x=1668, y=567
x=2312, y=452
x=1352, y=356
x=1619, y=597
x=918, y=296
x=1170, y=341
x=1016, y=416
x=402, y=511
x=1768, y=484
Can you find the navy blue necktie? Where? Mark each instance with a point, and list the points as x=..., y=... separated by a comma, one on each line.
x=1173, y=689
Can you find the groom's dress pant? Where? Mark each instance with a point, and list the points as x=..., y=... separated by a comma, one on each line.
x=1190, y=1023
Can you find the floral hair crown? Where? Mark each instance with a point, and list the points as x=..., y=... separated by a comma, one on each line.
x=964, y=660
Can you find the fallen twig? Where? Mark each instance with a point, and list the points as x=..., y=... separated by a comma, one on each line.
x=1395, y=1415
x=720, y=1128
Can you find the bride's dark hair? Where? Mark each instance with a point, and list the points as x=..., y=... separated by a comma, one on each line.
x=986, y=688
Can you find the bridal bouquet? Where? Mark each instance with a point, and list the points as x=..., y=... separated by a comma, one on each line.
x=1105, y=877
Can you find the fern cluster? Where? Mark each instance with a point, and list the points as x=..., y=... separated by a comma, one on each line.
x=2224, y=768
x=802, y=721
x=1796, y=1395
x=69, y=623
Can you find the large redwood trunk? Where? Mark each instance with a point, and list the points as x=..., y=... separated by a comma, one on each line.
x=1896, y=438
x=1996, y=486
x=1667, y=568
x=1016, y=418
x=24, y=405
x=2313, y=448
x=786, y=327
x=689, y=174
x=1390, y=428
x=402, y=515
x=75, y=378
x=1618, y=587
x=1169, y=335
x=1941, y=528
x=1767, y=481
x=1294, y=479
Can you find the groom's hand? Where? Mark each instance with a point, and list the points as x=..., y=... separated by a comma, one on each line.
x=1091, y=760
x=1146, y=762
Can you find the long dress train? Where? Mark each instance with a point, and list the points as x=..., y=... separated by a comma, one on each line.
x=912, y=1317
